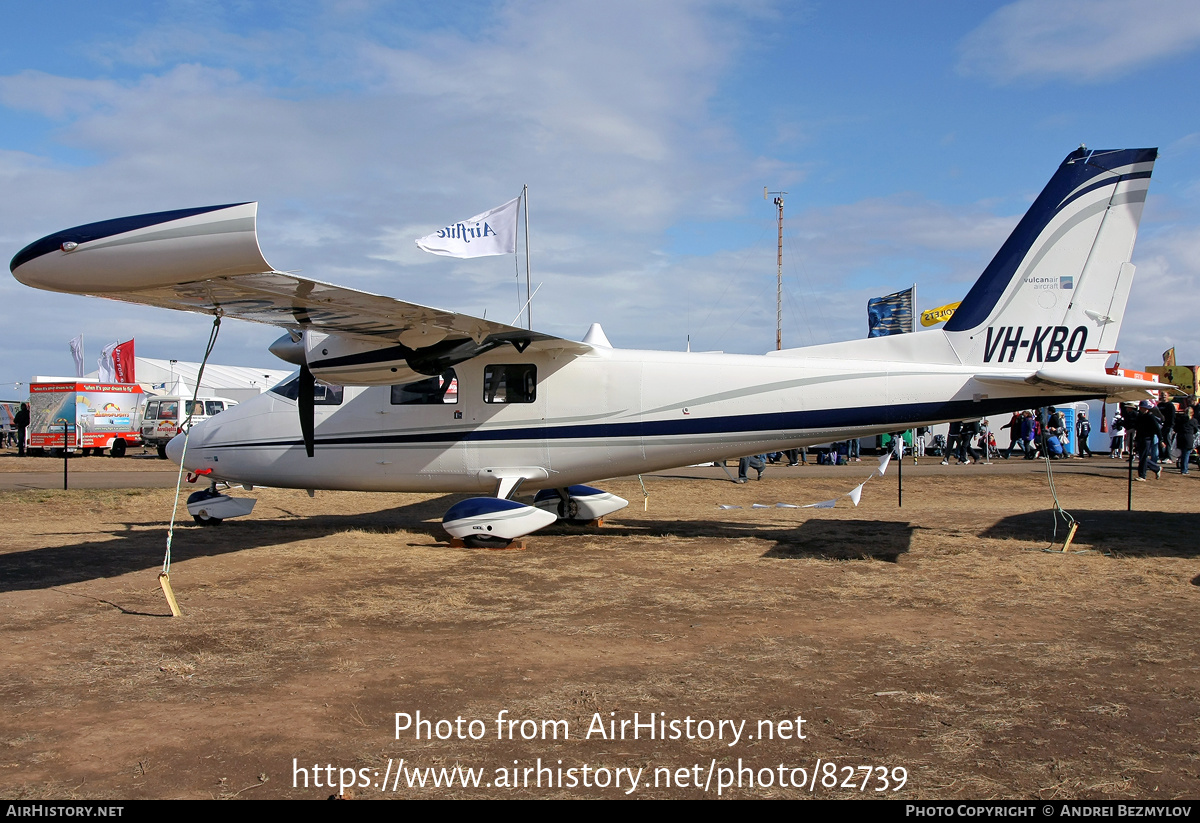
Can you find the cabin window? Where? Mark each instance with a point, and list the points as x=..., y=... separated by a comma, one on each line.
x=510, y=384
x=212, y=407
x=432, y=391
x=323, y=396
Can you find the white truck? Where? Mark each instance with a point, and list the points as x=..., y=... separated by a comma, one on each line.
x=82, y=416
x=167, y=416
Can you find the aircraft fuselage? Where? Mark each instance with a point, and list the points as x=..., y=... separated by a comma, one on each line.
x=614, y=413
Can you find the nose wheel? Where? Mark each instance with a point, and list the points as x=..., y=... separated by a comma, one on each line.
x=201, y=513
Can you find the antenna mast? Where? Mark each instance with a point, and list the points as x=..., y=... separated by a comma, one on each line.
x=778, y=268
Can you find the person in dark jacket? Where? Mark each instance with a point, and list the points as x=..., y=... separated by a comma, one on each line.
x=1014, y=434
x=21, y=421
x=952, y=442
x=966, y=451
x=1083, y=430
x=1028, y=434
x=1148, y=429
x=1167, y=409
x=1186, y=428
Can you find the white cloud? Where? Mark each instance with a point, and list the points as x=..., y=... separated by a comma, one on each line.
x=1161, y=310
x=1080, y=41
x=357, y=141
x=602, y=109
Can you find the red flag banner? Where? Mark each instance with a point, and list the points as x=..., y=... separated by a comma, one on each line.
x=123, y=362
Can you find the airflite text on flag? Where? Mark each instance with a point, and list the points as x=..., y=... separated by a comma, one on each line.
x=493, y=232
x=464, y=231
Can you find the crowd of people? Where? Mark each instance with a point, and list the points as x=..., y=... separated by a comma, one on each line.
x=1145, y=430
x=1148, y=431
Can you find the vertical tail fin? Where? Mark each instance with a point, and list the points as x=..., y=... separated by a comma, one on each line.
x=1058, y=285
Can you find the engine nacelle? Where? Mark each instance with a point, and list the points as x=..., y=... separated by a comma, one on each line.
x=493, y=521
x=583, y=503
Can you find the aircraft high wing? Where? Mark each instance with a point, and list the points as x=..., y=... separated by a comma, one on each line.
x=428, y=399
x=208, y=261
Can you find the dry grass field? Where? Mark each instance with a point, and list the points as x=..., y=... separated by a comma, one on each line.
x=938, y=638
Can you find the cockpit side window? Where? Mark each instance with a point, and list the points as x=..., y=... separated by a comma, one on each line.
x=323, y=396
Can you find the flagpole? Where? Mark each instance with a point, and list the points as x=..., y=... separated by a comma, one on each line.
x=528, y=295
x=912, y=323
x=779, y=268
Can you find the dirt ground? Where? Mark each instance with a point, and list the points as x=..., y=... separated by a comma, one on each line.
x=931, y=651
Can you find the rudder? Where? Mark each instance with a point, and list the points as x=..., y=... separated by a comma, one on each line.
x=1058, y=285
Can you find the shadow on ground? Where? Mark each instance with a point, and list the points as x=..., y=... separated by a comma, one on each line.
x=846, y=540
x=822, y=539
x=1136, y=533
x=128, y=550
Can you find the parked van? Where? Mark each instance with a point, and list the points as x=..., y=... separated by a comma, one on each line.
x=166, y=417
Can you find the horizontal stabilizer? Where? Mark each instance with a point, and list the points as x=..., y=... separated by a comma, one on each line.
x=1100, y=385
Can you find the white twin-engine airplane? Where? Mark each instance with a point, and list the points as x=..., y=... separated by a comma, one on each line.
x=393, y=396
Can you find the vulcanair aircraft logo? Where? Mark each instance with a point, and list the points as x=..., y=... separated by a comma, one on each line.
x=1040, y=283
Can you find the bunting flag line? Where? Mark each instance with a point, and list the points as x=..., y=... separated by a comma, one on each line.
x=883, y=464
x=855, y=494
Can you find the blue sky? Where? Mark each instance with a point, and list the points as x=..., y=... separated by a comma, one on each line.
x=909, y=137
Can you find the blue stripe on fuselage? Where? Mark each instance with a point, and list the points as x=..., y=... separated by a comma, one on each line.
x=769, y=424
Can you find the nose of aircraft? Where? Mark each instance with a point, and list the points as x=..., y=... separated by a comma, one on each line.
x=175, y=448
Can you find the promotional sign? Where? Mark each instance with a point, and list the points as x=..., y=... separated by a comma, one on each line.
x=1181, y=376
x=95, y=415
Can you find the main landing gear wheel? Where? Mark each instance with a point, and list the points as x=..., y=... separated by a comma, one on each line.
x=205, y=520
x=578, y=505
x=568, y=511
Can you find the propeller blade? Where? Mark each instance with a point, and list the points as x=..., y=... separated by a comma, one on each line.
x=305, y=403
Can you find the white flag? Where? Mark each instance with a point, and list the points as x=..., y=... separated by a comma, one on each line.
x=108, y=371
x=855, y=494
x=77, y=353
x=493, y=232
x=883, y=464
